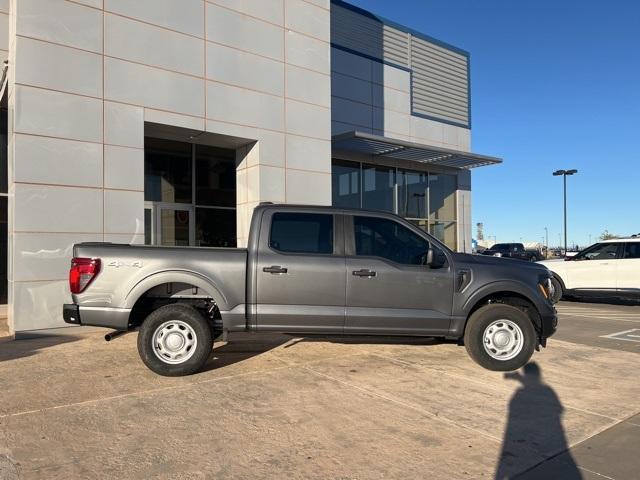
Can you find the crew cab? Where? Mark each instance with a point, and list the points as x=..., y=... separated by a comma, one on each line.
x=312, y=270
x=610, y=268
x=512, y=250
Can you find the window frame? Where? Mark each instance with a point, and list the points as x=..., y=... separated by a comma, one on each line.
x=350, y=239
x=336, y=251
x=581, y=255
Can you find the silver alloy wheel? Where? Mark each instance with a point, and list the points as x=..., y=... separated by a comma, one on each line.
x=503, y=339
x=174, y=342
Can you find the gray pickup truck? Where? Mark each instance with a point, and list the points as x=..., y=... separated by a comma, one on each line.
x=312, y=270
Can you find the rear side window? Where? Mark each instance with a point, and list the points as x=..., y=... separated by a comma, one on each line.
x=302, y=233
x=632, y=250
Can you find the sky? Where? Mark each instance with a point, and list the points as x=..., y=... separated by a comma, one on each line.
x=554, y=85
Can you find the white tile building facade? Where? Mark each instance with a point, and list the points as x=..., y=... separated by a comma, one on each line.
x=88, y=80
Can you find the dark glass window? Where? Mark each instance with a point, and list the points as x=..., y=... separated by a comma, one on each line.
x=302, y=233
x=377, y=187
x=167, y=171
x=147, y=226
x=3, y=249
x=412, y=194
x=632, y=250
x=379, y=237
x=345, y=184
x=215, y=176
x=215, y=227
x=3, y=150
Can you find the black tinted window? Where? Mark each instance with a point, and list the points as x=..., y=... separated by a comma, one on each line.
x=632, y=250
x=379, y=237
x=302, y=233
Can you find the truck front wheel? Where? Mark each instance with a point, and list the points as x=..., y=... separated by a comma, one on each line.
x=175, y=340
x=500, y=337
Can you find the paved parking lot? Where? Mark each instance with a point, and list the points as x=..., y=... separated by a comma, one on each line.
x=74, y=406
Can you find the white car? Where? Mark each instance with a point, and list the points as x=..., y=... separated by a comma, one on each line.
x=607, y=268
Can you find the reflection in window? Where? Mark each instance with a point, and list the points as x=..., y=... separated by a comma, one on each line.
x=412, y=193
x=445, y=232
x=167, y=171
x=442, y=197
x=174, y=225
x=378, y=187
x=215, y=227
x=215, y=176
x=345, y=184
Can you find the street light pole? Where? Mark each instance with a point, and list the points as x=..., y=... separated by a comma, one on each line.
x=546, y=243
x=564, y=174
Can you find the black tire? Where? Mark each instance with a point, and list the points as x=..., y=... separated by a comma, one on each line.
x=474, y=336
x=558, y=291
x=183, y=323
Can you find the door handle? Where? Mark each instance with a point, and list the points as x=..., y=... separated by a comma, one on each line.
x=364, y=273
x=275, y=269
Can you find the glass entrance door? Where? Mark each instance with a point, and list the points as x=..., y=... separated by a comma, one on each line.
x=170, y=225
x=175, y=226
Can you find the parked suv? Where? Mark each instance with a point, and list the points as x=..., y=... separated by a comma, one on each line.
x=607, y=268
x=513, y=250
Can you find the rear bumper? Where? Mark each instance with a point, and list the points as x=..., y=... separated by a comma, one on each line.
x=116, y=318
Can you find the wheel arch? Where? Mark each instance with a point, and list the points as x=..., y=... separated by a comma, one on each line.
x=181, y=287
x=190, y=278
x=517, y=297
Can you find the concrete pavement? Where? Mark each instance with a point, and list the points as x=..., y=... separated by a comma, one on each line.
x=283, y=407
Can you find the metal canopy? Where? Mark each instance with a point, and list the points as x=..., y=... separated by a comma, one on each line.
x=379, y=146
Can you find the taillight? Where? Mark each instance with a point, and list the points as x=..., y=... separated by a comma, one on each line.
x=82, y=273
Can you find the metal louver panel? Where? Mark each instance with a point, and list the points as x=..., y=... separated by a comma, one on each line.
x=440, y=75
x=440, y=82
x=369, y=36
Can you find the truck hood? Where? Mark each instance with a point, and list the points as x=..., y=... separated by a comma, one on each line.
x=498, y=262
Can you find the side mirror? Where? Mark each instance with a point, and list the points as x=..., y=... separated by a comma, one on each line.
x=429, y=259
x=436, y=258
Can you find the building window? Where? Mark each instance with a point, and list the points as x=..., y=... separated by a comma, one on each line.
x=345, y=184
x=426, y=199
x=4, y=205
x=378, y=185
x=190, y=194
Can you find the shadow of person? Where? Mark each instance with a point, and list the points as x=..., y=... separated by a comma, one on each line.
x=534, y=430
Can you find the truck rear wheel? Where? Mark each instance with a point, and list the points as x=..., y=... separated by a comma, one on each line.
x=175, y=340
x=500, y=337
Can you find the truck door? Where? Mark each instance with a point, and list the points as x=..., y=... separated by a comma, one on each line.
x=300, y=277
x=389, y=288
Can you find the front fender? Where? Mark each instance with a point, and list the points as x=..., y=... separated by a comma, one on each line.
x=503, y=286
x=177, y=276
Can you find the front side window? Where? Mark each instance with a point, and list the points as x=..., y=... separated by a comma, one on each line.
x=302, y=233
x=600, y=251
x=379, y=237
x=631, y=250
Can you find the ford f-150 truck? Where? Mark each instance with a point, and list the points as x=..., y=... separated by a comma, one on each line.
x=312, y=270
